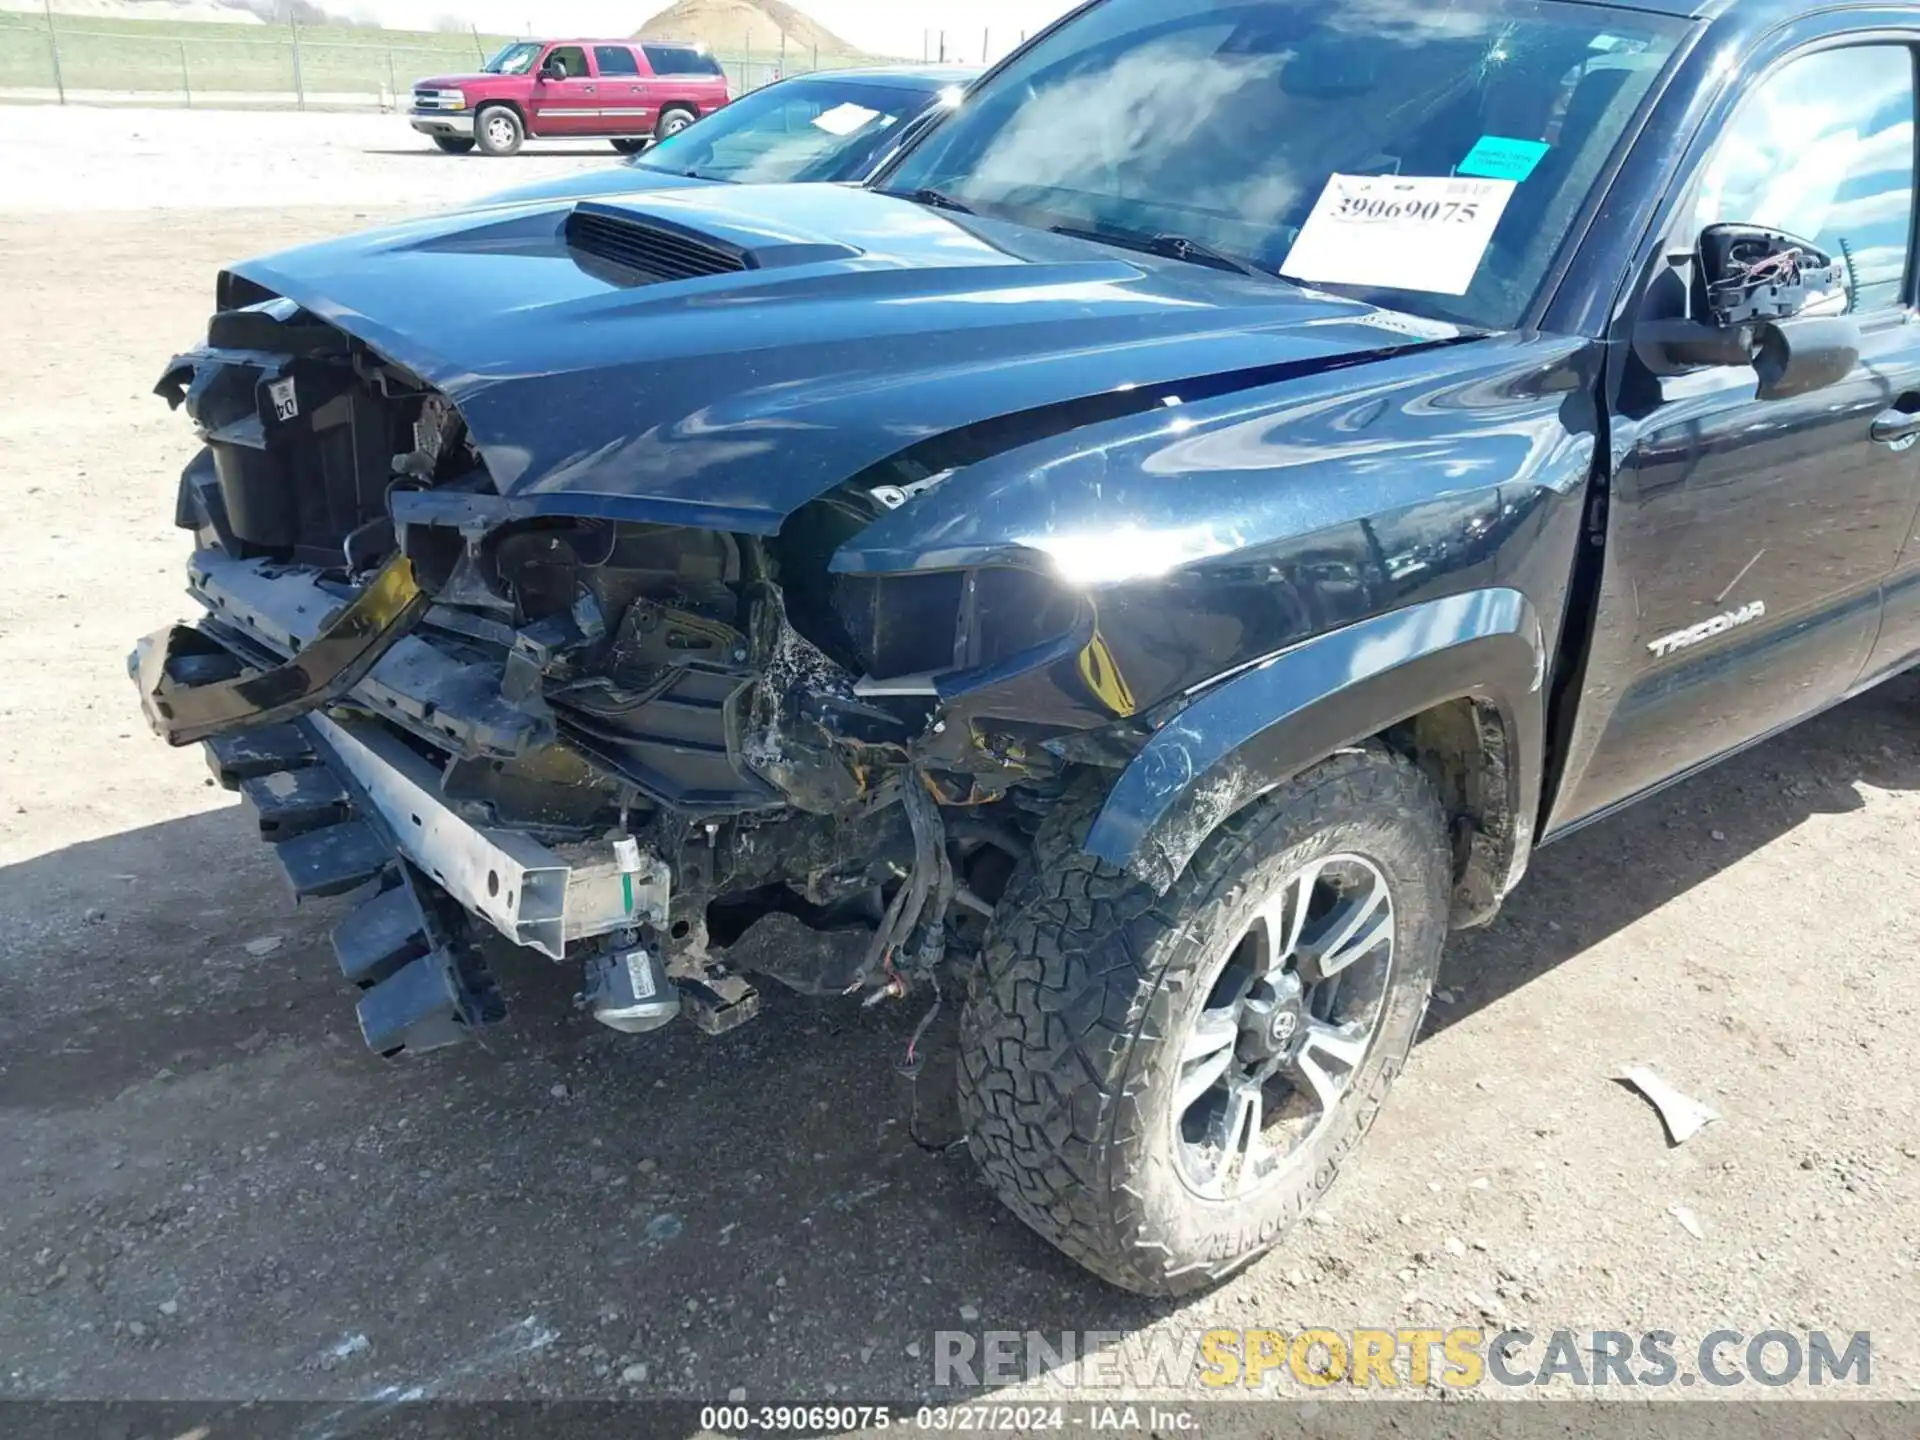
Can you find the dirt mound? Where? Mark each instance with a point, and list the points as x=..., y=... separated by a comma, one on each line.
x=733, y=25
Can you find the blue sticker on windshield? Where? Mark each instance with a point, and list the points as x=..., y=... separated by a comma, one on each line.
x=1498, y=158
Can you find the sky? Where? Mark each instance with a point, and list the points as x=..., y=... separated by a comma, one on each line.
x=893, y=27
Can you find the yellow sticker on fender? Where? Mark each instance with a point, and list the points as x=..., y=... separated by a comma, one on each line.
x=1399, y=232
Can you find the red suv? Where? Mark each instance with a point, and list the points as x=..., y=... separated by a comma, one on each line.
x=628, y=91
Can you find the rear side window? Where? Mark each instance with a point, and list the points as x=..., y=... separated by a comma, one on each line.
x=615, y=60
x=681, y=60
x=1823, y=149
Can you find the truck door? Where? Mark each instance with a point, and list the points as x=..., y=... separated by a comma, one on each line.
x=569, y=105
x=1747, y=540
x=625, y=107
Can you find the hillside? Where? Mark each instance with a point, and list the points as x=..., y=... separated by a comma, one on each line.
x=731, y=26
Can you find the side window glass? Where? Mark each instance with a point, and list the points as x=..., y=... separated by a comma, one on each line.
x=571, y=56
x=615, y=60
x=668, y=59
x=1823, y=149
x=681, y=60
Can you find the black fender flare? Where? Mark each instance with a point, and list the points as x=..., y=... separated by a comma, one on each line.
x=1261, y=726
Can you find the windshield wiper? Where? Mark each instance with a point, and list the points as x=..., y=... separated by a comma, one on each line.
x=938, y=199
x=1173, y=247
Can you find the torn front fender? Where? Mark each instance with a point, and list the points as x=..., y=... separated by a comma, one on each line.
x=183, y=712
x=1266, y=724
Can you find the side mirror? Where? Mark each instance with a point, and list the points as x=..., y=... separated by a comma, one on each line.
x=1751, y=274
x=554, y=70
x=1772, y=301
x=1792, y=357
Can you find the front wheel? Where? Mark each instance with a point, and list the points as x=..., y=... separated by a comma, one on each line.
x=1162, y=1085
x=629, y=147
x=498, y=131
x=454, y=144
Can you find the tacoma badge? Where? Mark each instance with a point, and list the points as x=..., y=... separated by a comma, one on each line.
x=1707, y=629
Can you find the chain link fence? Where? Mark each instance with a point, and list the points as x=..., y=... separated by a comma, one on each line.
x=294, y=66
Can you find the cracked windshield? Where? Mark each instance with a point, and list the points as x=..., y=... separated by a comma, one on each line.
x=1433, y=161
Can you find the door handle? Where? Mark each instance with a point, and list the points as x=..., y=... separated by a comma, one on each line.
x=1897, y=428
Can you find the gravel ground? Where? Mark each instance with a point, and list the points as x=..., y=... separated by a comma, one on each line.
x=208, y=1188
x=91, y=159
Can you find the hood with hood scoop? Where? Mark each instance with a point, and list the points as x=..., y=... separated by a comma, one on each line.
x=719, y=356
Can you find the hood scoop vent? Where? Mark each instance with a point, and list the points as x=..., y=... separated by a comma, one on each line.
x=625, y=247
x=632, y=251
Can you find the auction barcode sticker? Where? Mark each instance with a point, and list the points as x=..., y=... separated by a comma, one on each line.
x=1399, y=232
x=286, y=401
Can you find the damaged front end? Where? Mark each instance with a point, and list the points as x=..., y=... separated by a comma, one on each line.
x=731, y=586
x=607, y=740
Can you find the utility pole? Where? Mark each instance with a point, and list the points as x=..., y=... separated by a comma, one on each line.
x=53, y=45
x=478, y=48
x=986, y=45
x=186, y=85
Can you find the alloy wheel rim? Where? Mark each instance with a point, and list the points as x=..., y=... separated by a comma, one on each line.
x=1270, y=1058
x=500, y=131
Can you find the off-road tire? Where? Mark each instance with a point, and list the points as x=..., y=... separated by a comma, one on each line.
x=672, y=121
x=510, y=137
x=1070, y=1038
x=455, y=144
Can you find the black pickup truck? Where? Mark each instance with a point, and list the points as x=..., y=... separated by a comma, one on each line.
x=1127, y=579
